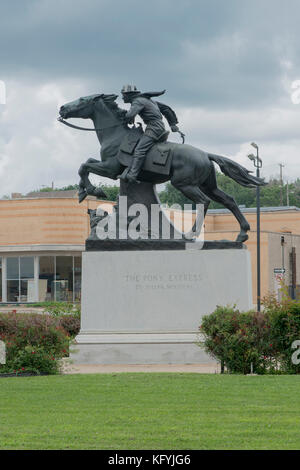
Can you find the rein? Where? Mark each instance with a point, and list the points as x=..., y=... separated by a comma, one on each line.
x=60, y=119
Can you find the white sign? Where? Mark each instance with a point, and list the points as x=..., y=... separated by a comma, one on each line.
x=279, y=270
x=2, y=353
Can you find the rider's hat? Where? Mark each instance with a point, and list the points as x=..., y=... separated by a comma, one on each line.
x=129, y=89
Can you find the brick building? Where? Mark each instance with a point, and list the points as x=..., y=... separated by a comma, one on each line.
x=42, y=236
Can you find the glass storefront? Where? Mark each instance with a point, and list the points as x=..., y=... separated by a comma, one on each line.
x=64, y=278
x=41, y=278
x=77, y=278
x=60, y=278
x=46, y=278
x=20, y=279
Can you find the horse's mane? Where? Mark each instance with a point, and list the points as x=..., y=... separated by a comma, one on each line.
x=109, y=101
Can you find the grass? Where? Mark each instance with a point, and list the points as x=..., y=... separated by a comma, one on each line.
x=150, y=411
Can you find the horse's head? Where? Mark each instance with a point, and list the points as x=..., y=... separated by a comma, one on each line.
x=86, y=108
x=80, y=108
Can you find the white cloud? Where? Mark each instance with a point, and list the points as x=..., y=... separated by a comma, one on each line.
x=231, y=132
x=37, y=150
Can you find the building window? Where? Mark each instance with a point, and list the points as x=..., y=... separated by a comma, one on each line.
x=40, y=278
x=46, y=278
x=64, y=279
x=77, y=278
x=60, y=278
x=20, y=279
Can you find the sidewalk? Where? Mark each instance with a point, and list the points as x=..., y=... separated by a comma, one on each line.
x=9, y=309
x=212, y=368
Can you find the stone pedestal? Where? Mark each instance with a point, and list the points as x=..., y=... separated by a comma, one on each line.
x=145, y=307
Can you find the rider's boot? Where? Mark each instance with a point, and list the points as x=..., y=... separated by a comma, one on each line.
x=132, y=174
x=144, y=145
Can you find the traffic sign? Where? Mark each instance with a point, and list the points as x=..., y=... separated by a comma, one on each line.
x=279, y=270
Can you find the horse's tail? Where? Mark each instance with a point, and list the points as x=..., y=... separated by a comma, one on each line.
x=237, y=172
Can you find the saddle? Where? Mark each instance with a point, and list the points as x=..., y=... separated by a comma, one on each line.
x=158, y=158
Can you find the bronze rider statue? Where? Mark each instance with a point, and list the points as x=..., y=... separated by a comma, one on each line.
x=151, y=113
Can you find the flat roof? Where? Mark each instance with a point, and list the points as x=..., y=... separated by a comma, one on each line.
x=41, y=247
x=254, y=209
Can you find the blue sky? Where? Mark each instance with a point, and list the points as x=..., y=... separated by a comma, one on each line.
x=228, y=67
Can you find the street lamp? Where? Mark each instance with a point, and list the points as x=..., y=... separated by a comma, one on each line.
x=258, y=164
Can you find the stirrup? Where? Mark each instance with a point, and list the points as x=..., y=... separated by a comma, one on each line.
x=123, y=175
x=132, y=179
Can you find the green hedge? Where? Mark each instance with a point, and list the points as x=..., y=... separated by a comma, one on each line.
x=253, y=341
x=36, y=342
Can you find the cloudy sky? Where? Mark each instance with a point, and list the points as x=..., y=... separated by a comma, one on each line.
x=228, y=67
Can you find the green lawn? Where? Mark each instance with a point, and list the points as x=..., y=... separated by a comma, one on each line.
x=150, y=411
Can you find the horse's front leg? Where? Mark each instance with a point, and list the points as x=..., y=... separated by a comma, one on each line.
x=85, y=186
x=108, y=169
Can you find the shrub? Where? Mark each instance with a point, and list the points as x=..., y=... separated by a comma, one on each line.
x=67, y=315
x=33, y=359
x=237, y=339
x=71, y=324
x=33, y=341
x=57, y=309
x=284, y=319
x=263, y=340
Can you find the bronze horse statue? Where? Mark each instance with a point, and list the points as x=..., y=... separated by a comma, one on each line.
x=191, y=170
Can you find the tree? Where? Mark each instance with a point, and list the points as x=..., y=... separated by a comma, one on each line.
x=269, y=194
x=47, y=189
x=171, y=195
x=112, y=192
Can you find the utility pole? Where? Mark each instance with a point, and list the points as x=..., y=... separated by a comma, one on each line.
x=281, y=184
x=258, y=164
x=294, y=272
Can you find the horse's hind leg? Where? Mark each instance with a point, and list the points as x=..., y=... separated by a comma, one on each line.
x=227, y=201
x=195, y=194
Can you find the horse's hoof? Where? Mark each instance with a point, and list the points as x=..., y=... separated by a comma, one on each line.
x=81, y=196
x=132, y=180
x=242, y=237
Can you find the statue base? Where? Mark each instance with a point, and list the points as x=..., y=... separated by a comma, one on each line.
x=150, y=245
x=145, y=307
